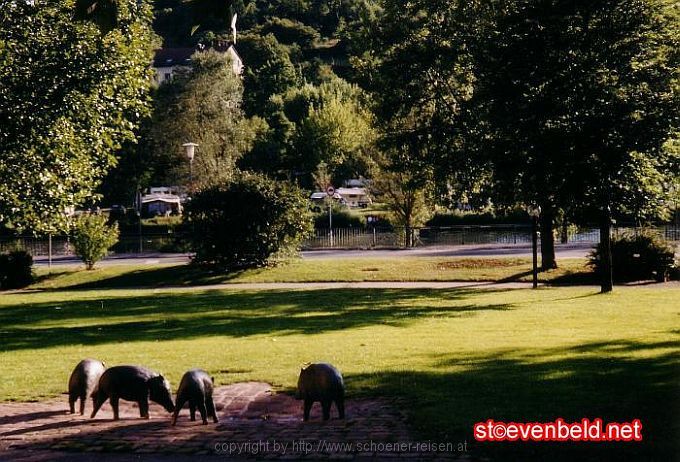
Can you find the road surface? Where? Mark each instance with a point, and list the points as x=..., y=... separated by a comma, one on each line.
x=579, y=250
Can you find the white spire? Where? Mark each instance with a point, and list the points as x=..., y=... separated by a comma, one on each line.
x=233, y=25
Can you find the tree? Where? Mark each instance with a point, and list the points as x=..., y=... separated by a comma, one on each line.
x=328, y=123
x=93, y=237
x=71, y=93
x=419, y=51
x=289, y=32
x=338, y=133
x=202, y=105
x=269, y=71
x=247, y=221
x=403, y=189
x=547, y=100
x=578, y=99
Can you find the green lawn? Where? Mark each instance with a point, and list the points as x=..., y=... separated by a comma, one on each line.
x=451, y=357
x=319, y=270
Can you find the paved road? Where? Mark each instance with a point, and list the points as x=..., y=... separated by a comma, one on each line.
x=578, y=250
x=488, y=251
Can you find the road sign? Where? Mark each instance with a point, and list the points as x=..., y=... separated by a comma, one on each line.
x=330, y=191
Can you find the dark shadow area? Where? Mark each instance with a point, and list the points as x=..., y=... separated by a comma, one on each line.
x=45, y=427
x=222, y=313
x=516, y=277
x=181, y=275
x=584, y=278
x=11, y=419
x=591, y=380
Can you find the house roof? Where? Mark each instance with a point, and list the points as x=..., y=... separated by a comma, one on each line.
x=158, y=197
x=352, y=191
x=168, y=57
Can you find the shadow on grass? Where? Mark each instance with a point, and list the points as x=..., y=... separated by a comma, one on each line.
x=603, y=379
x=180, y=275
x=218, y=313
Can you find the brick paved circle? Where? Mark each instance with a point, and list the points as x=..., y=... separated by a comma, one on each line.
x=254, y=423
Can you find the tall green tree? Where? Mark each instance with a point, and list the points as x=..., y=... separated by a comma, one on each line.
x=339, y=133
x=269, y=71
x=578, y=99
x=553, y=101
x=202, y=104
x=310, y=124
x=72, y=89
x=418, y=67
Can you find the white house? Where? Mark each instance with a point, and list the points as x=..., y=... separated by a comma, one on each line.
x=167, y=60
x=355, y=197
x=162, y=201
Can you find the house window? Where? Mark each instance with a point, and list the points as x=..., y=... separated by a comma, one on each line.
x=167, y=76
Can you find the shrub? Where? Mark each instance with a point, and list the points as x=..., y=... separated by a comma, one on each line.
x=93, y=237
x=245, y=222
x=341, y=219
x=638, y=257
x=16, y=270
x=477, y=218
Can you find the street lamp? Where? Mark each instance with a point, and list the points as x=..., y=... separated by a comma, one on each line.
x=190, y=152
x=534, y=212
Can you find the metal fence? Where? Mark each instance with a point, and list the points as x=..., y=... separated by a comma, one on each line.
x=339, y=238
x=62, y=246
x=376, y=238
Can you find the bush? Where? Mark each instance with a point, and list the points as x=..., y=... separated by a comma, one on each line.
x=638, y=257
x=473, y=218
x=341, y=219
x=16, y=270
x=93, y=237
x=245, y=222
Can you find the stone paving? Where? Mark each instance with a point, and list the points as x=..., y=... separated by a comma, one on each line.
x=255, y=423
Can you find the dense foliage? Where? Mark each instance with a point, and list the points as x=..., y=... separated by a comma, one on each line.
x=567, y=104
x=247, y=221
x=639, y=256
x=93, y=237
x=16, y=270
x=202, y=104
x=72, y=89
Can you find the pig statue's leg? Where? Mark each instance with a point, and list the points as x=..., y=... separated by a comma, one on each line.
x=340, y=404
x=192, y=410
x=326, y=408
x=83, y=398
x=307, y=409
x=210, y=404
x=202, y=410
x=144, y=407
x=114, y=399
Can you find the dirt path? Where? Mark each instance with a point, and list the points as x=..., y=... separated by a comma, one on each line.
x=254, y=424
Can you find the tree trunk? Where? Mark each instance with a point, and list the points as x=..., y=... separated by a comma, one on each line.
x=607, y=282
x=548, y=260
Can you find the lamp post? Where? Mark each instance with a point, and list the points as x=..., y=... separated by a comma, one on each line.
x=534, y=212
x=190, y=152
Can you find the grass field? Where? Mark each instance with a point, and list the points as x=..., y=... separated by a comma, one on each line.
x=320, y=270
x=450, y=357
